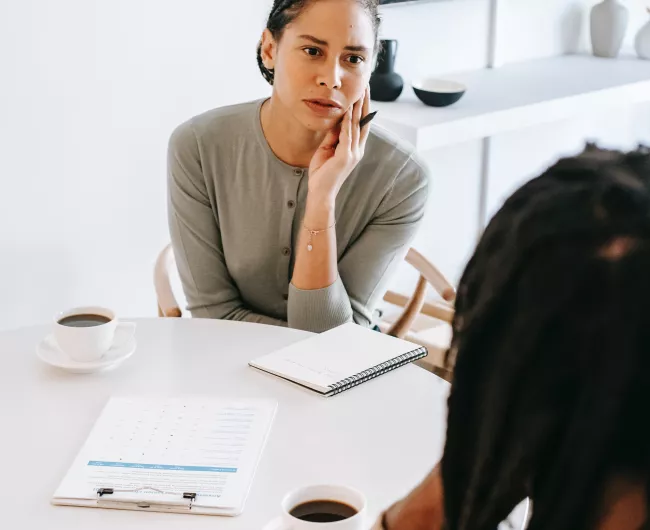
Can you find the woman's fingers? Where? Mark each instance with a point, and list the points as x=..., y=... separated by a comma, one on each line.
x=345, y=138
x=352, y=139
x=357, y=110
x=366, y=102
x=347, y=125
x=331, y=138
x=363, y=138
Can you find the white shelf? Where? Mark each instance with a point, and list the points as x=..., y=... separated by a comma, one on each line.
x=517, y=96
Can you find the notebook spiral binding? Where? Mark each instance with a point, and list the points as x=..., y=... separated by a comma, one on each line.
x=376, y=371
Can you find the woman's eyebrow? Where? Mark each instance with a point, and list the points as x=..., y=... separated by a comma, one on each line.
x=321, y=42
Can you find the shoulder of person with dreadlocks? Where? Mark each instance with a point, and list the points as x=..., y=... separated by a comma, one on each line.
x=292, y=210
x=551, y=347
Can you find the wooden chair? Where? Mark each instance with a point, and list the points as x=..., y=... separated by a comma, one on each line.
x=421, y=322
x=425, y=323
x=167, y=304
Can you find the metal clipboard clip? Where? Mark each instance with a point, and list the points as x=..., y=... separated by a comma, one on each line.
x=186, y=500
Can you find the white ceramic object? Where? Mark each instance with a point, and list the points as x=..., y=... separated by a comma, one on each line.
x=276, y=524
x=438, y=92
x=642, y=43
x=49, y=352
x=47, y=414
x=522, y=516
x=88, y=344
x=609, y=21
x=343, y=494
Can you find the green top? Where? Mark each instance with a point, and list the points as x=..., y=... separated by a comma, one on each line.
x=235, y=214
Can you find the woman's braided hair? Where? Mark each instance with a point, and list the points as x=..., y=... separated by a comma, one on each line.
x=284, y=12
x=551, y=347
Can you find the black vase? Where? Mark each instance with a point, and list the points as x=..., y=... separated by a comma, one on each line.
x=385, y=84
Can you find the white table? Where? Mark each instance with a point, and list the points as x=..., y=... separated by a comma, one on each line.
x=381, y=437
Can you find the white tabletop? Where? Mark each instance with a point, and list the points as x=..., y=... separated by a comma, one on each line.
x=381, y=437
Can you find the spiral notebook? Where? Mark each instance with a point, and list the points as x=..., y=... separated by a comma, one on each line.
x=339, y=359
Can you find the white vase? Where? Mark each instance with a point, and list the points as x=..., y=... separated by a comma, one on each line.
x=609, y=21
x=642, y=42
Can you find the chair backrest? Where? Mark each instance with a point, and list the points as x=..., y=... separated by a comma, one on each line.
x=429, y=275
x=167, y=304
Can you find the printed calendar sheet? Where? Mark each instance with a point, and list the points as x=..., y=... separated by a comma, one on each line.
x=152, y=453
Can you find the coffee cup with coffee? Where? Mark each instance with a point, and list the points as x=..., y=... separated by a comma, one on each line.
x=323, y=507
x=85, y=334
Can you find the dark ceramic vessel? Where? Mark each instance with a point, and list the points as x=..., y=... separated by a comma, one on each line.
x=385, y=83
x=438, y=92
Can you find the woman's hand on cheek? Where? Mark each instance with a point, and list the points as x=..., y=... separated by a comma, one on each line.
x=340, y=152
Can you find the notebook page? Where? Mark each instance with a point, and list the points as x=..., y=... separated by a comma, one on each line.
x=164, y=447
x=333, y=356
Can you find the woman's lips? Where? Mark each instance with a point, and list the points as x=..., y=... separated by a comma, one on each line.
x=322, y=109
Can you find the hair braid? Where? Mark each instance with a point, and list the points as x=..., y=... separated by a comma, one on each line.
x=556, y=287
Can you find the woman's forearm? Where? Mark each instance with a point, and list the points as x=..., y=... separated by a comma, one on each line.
x=422, y=509
x=317, y=268
x=316, y=264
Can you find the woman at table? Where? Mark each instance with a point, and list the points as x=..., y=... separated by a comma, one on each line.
x=285, y=211
x=551, y=390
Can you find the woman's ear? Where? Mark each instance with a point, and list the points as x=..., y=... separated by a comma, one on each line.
x=268, y=49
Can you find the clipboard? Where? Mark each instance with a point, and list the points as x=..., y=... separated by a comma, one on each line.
x=194, y=456
x=138, y=500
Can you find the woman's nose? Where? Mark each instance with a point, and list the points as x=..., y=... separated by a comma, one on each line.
x=330, y=75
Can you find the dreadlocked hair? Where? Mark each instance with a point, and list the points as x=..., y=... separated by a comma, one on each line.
x=551, y=349
x=284, y=12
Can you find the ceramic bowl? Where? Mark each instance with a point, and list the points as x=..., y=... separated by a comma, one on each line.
x=438, y=92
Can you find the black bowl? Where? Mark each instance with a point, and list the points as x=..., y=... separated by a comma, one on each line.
x=438, y=92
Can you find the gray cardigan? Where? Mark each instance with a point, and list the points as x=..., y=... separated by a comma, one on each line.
x=235, y=214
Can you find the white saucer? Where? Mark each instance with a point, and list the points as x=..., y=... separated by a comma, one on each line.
x=276, y=524
x=49, y=352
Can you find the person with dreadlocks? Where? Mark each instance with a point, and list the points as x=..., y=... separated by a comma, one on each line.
x=551, y=348
x=288, y=210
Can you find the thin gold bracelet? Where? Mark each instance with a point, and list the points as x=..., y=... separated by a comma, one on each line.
x=313, y=233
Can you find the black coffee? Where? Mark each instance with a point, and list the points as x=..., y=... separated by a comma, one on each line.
x=84, y=321
x=323, y=511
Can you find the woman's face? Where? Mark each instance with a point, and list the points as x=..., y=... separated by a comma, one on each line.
x=323, y=61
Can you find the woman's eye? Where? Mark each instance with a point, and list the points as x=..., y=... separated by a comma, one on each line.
x=313, y=52
x=356, y=59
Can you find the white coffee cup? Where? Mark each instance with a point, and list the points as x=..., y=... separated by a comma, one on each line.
x=342, y=494
x=87, y=344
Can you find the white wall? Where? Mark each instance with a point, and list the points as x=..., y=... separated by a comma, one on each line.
x=528, y=29
x=91, y=90
x=539, y=28
x=94, y=90
x=543, y=28
x=434, y=38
